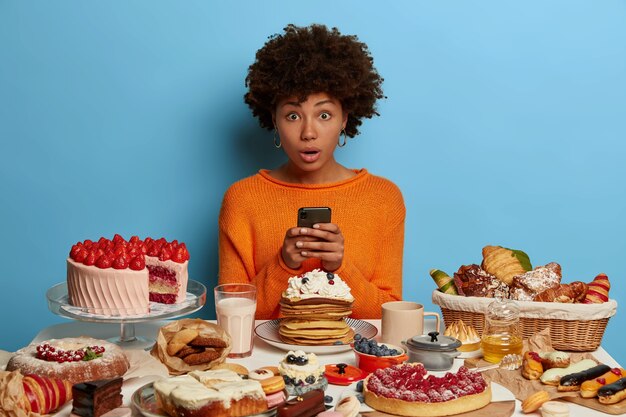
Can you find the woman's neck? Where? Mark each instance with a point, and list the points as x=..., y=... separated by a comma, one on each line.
x=334, y=173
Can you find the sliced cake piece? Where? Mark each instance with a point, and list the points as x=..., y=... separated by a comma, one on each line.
x=95, y=398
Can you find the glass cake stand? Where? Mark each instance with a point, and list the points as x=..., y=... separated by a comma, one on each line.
x=59, y=303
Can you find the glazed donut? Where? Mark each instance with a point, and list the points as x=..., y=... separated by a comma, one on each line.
x=534, y=401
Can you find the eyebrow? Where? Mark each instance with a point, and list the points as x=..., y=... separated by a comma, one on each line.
x=297, y=104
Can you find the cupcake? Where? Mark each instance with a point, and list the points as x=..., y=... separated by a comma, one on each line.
x=302, y=372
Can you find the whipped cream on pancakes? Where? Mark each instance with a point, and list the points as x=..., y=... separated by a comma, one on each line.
x=316, y=284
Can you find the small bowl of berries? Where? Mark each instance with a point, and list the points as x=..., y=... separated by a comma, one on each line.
x=371, y=356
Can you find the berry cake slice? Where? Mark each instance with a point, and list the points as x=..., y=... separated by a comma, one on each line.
x=406, y=390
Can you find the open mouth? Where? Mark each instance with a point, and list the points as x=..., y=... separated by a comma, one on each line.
x=310, y=155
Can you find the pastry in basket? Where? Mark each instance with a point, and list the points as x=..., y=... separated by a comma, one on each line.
x=531, y=365
x=32, y=393
x=473, y=281
x=553, y=376
x=191, y=344
x=444, y=282
x=505, y=263
x=598, y=290
x=470, y=341
x=302, y=372
x=314, y=306
x=527, y=286
x=589, y=389
x=405, y=390
x=72, y=359
x=220, y=393
x=564, y=293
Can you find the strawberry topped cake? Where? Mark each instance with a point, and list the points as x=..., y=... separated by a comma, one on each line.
x=407, y=390
x=119, y=278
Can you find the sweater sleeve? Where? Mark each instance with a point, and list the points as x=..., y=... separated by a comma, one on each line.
x=385, y=284
x=236, y=259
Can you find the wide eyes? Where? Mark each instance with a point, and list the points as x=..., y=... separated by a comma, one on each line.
x=294, y=116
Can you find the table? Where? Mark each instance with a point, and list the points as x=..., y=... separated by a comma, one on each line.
x=263, y=355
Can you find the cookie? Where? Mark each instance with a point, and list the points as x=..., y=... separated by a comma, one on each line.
x=260, y=374
x=348, y=406
x=208, y=341
x=208, y=355
x=188, y=350
x=273, y=384
x=180, y=339
x=534, y=401
x=235, y=367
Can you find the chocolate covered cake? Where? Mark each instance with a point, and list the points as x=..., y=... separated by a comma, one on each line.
x=95, y=398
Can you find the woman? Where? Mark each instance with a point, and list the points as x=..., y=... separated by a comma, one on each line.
x=313, y=86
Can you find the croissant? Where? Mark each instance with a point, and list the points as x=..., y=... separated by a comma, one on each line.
x=33, y=393
x=564, y=293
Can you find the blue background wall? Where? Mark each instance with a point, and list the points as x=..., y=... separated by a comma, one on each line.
x=504, y=124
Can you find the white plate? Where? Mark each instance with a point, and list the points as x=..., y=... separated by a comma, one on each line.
x=473, y=354
x=268, y=331
x=145, y=401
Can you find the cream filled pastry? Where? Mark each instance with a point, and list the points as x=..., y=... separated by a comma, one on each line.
x=317, y=283
x=302, y=372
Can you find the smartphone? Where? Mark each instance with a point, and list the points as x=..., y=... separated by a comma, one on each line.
x=308, y=216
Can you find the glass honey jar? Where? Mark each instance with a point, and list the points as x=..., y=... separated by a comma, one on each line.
x=501, y=334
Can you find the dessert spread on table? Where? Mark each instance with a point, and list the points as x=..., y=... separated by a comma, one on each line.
x=118, y=277
x=115, y=277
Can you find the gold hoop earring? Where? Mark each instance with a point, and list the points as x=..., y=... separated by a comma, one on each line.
x=277, y=142
x=345, y=139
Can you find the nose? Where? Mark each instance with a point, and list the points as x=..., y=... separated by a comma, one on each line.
x=308, y=130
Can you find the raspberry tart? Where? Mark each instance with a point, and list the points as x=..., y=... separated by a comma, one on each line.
x=407, y=390
x=119, y=278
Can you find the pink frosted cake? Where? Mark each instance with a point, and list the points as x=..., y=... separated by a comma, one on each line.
x=118, y=277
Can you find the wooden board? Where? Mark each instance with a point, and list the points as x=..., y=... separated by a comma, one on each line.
x=500, y=409
x=513, y=379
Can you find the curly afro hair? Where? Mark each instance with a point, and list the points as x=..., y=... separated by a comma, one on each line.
x=314, y=59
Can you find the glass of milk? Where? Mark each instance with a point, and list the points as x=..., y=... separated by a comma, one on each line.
x=235, y=305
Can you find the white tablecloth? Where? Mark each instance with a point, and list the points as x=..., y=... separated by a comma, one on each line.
x=263, y=355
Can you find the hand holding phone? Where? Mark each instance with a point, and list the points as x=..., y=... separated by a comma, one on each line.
x=308, y=216
x=304, y=242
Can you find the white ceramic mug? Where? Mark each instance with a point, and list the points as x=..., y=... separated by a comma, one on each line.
x=402, y=320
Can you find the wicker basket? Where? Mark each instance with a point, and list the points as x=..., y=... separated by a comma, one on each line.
x=573, y=327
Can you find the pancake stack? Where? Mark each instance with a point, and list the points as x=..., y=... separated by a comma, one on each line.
x=314, y=307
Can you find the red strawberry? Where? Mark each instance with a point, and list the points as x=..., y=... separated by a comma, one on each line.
x=182, y=245
x=117, y=238
x=135, y=239
x=91, y=258
x=133, y=251
x=87, y=242
x=81, y=255
x=153, y=250
x=104, y=262
x=119, y=249
x=165, y=255
x=75, y=249
x=148, y=240
x=138, y=263
x=175, y=243
x=102, y=240
x=179, y=255
x=120, y=263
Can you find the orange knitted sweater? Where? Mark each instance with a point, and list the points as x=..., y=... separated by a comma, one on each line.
x=369, y=210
